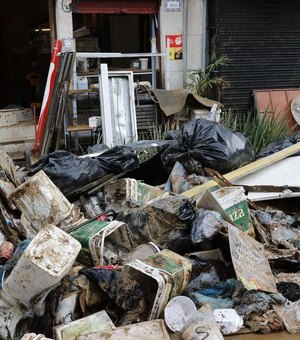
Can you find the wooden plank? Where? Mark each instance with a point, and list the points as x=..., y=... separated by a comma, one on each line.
x=76, y=128
x=247, y=169
x=74, y=92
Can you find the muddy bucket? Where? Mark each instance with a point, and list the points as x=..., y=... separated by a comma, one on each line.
x=46, y=260
x=201, y=326
x=33, y=336
x=148, y=330
x=163, y=276
x=177, y=267
x=93, y=236
x=94, y=323
x=127, y=193
x=156, y=285
x=43, y=203
x=141, y=252
x=11, y=313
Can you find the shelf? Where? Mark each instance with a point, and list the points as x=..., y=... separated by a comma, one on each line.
x=77, y=128
x=134, y=71
x=75, y=92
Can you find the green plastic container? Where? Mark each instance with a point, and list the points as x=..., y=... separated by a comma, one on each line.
x=92, y=236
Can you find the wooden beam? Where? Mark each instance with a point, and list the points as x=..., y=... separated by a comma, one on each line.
x=247, y=169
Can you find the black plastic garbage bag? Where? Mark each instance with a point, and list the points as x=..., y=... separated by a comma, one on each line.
x=211, y=144
x=279, y=145
x=97, y=148
x=118, y=159
x=173, y=134
x=70, y=172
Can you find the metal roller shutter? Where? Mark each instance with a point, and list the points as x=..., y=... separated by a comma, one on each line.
x=262, y=40
x=116, y=6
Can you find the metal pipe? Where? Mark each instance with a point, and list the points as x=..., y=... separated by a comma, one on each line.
x=185, y=40
x=117, y=55
x=51, y=23
x=204, y=35
x=153, y=50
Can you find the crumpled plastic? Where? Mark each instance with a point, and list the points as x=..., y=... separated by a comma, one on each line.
x=219, y=296
x=206, y=225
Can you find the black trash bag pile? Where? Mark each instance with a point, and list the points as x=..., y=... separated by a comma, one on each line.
x=70, y=172
x=211, y=145
x=97, y=148
x=279, y=145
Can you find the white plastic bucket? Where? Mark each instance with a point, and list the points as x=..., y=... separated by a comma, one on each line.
x=143, y=63
x=178, y=312
x=42, y=203
x=46, y=260
x=94, y=121
x=11, y=314
x=33, y=336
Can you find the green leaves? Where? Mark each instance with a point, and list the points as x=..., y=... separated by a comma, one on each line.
x=261, y=129
x=204, y=83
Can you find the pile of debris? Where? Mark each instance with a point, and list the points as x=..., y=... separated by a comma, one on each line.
x=89, y=251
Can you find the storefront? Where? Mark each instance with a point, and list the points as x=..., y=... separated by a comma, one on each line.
x=261, y=40
x=25, y=50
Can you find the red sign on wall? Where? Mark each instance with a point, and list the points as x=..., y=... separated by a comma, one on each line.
x=175, y=44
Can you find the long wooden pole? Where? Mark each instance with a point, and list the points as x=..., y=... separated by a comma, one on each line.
x=247, y=169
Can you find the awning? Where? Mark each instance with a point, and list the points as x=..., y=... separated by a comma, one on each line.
x=116, y=6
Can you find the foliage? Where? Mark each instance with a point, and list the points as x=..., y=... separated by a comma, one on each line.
x=264, y=129
x=204, y=83
x=159, y=131
x=260, y=129
x=229, y=120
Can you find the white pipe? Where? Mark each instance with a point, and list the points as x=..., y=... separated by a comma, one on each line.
x=185, y=40
x=51, y=23
x=204, y=35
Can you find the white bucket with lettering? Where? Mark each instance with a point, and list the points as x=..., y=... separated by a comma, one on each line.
x=44, y=263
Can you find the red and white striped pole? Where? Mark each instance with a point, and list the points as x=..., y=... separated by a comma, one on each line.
x=48, y=91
